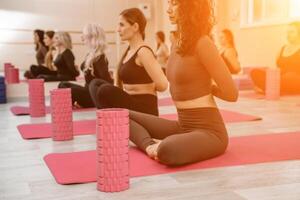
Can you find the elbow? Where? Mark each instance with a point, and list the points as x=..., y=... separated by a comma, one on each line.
x=237, y=70
x=162, y=86
x=234, y=96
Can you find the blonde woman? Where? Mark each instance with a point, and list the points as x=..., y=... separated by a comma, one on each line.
x=63, y=60
x=94, y=66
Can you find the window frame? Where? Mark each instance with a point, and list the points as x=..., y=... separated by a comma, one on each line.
x=247, y=16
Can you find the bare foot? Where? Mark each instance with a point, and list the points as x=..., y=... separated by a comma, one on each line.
x=152, y=149
x=258, y=90
x=76, y=105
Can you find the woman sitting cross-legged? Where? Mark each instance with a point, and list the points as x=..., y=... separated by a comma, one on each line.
x=94, y=66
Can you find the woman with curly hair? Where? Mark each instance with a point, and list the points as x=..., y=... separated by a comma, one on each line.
x=193, y=66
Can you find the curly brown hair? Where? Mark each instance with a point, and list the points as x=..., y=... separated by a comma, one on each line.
x=196, y=19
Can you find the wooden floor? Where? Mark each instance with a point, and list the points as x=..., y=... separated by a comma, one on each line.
x=24, y=175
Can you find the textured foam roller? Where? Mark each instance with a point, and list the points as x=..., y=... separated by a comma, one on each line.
x=37, y=107
x=13, y=75
x=273, y=84
x=7, y=66
x=61, y=114
x=113, y=149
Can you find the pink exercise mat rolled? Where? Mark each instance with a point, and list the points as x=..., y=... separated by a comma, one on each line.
x=61, y=114
x=13, y=75
x=37, y=107
x=273, y=84
x=113, y=150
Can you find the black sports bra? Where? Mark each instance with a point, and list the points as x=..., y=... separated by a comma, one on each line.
x=131, y=73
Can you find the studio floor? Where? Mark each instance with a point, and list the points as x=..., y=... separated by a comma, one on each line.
x=25, y=176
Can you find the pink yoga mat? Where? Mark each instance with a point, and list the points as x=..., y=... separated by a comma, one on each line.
x=80, y=167
x=252, y=95
x=86, y=127
x=165, y=101
x=44, y=130
x=24, y=110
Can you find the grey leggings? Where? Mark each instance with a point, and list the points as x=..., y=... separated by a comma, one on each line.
x=200, y=134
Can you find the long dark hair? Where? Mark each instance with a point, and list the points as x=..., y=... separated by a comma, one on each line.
x=229, y=37
x=161, y=36
x=50, y=34
x=132, y=16
x=196, y=19
x=40, y=34
x=49, y=57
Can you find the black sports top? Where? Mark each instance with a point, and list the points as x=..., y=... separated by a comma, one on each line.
x=65, y=65
x=100, y=67
x=289, y=63
x=131, y=73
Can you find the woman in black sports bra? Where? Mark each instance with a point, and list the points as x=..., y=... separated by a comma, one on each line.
x=138, y=76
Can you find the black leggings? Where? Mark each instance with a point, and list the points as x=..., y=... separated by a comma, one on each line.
x=200, y=134
x=57, y=77
x=80, y=94
x=39, y=69
x=106, y=95
x=289, y=82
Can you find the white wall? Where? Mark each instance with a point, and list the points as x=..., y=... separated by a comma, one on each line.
x=20, y=17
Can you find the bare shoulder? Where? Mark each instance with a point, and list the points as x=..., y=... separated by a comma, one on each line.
x=145, y=51
x=204, y=42
x=206, y=47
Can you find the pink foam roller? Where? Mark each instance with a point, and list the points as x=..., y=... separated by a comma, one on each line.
x=7, y=66
x=273, y=84
x=13, y=75
x=61, y=114
x=112, y=130
x=37, y=107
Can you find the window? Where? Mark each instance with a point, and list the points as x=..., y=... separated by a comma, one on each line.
x=269, y=12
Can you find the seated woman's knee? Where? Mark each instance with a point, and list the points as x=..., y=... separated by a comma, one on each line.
x=168, y=153
x=105, y=90
x=95, y=84
x=63, y=84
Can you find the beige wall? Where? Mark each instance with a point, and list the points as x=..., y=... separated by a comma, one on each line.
x=71, y=15
x=257, y=46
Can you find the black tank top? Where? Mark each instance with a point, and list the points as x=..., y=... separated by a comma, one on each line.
x=131, y=73
x=289, y=63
